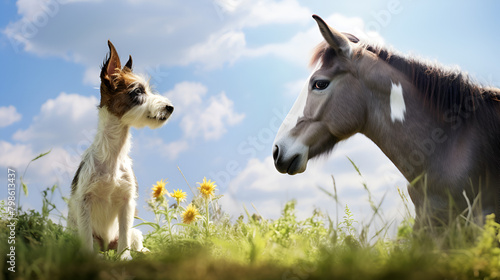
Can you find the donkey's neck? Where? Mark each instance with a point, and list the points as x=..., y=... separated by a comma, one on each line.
x=412, y=139
x=112, y=141
x=441, y=106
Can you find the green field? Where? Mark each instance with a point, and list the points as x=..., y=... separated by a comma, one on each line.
x=252, y=247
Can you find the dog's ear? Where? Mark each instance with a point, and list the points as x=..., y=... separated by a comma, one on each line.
x=128, y=65
x=114, y=64
x=111, y=65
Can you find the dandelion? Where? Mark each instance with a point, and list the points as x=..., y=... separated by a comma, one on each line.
x=179, y=196
x=159, y=190
x=207, y=189
x=190, y=214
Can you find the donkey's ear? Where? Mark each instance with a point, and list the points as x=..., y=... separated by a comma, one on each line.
x=338, y=41
x=128, y=65
x=351, y=37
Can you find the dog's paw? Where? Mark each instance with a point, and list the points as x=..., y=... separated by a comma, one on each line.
x=125, y=256
x=144, y=250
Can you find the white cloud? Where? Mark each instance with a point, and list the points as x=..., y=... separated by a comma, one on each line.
x=56, y=167
x=147, y=145
x=68, y=118
x=59, y=166
x=34, y=9
x=208, y=119
x=9, y=115
x=66, y=126
x=157, y=33
x=91, y=76
x=355, y=26
x=197, y=117
x=274, y=12
x=298, y=48
x=211, y=121
x=14, y=155
x=216, y=38
x=221, y=48
x=173, y=149
x=185, y=95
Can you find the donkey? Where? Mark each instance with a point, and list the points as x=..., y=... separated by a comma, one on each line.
x=439, y=128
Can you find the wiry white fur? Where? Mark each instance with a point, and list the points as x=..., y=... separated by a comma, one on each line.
x=105, y=198
x=148, y=114
x=151, y=112
x=398, y=106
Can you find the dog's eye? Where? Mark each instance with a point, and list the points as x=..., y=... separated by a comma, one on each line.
x=321, y=84
x=138, y=91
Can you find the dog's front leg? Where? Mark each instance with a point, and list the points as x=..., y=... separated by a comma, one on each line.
x=125, y=223
x=84, y=224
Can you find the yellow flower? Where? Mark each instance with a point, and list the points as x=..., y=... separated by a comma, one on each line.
x=190, y=214
x=159, y=190
x=207, y=189
x=179, y=196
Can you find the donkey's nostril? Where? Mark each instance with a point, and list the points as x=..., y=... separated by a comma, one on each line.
x=169, y=108
x=276, y=152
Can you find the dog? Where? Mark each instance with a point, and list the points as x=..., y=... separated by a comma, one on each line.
x=104, y=189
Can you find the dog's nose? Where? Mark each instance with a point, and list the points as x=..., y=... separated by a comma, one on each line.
x=169, y=109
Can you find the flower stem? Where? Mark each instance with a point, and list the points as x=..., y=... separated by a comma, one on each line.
x=208, y=217
x=155, y=210
x=169, y=220
x=170, y=229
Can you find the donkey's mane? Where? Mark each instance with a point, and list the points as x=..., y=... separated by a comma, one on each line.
x=445, y=90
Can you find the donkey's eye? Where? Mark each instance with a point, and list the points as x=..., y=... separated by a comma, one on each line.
x=321, y=84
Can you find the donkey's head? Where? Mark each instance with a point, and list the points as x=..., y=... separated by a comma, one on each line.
x=330, y=108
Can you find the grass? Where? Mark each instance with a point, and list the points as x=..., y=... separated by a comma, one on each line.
x=252, y=247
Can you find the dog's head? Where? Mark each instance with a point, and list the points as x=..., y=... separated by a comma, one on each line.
x=128, y=95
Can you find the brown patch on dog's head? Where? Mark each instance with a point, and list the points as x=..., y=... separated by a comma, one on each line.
x=119, y=86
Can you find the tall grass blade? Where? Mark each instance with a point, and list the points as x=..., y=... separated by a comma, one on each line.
x=186, y=181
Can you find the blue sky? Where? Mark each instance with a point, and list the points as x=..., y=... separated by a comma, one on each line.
x=232, y=68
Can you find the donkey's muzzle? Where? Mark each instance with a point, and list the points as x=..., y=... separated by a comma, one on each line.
x=284, y=163
x=276, y=152
x=278, y=160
